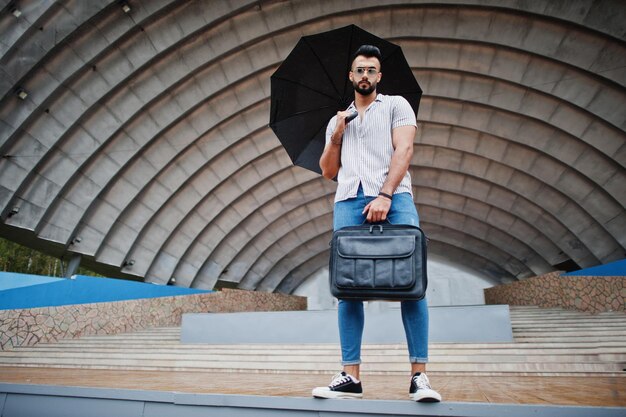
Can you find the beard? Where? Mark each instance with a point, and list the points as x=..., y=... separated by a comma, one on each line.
x=364, y=91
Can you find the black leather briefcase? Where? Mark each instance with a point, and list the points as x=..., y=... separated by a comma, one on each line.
x=378, y=262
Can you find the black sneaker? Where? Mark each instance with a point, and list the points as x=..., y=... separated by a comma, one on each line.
x=421, y=391
x=342, y=386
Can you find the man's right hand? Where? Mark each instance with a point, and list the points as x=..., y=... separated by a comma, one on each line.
x=340, y=127
x=330, y=161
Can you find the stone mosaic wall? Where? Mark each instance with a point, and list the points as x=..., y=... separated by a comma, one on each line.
x=590, y=294
x=27, y=327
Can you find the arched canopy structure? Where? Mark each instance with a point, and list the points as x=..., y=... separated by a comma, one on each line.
x=136, y=135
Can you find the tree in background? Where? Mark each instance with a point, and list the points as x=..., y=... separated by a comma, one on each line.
x=18, y=258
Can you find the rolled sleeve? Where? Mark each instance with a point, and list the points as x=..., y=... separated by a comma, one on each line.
x=403, y=114
x=330, y=128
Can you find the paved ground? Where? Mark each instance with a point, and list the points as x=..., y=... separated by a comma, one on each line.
x=588, y=391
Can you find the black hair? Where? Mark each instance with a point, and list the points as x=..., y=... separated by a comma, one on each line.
x=368, y=51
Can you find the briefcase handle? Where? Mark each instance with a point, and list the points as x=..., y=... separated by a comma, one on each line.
x=380, y=228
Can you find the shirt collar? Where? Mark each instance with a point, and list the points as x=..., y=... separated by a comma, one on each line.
x=379, y=97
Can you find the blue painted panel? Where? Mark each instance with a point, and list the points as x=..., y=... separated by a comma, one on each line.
x=83, y=290
x=10, y=280
x=613, y=269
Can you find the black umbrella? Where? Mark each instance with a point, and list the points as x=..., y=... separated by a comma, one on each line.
x=312, y=84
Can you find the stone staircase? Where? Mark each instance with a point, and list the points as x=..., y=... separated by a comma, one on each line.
x=548, y=342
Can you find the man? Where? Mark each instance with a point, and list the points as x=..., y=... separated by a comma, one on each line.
x=370, y=157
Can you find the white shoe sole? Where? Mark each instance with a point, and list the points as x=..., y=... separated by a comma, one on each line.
x=426, y=396
x=328, y=394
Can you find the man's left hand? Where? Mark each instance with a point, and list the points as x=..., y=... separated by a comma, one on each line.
x=377, y=209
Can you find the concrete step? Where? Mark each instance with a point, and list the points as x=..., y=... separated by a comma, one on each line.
x=321, y=360
x=254, y=360
x=450, y=349
x=568, y=320
x=518, y=348
x=600, y=334
x=521, y=321
x=253, y=357
x=577, y=340
x=555, y=315
x=566, y=315
x=400, y=368
x=572, y=333
x=570, y=323
x=573, y=321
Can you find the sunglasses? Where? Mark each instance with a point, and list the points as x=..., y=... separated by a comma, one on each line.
x=361, y=71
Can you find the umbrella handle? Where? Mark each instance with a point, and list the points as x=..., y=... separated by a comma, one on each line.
x=352, y=116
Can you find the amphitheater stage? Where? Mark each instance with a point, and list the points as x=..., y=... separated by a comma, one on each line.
x=561, y=363
x=458, y=324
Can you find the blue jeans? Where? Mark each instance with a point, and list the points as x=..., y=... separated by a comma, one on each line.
x=351, y=314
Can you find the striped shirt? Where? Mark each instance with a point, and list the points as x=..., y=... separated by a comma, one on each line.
x=367, y=147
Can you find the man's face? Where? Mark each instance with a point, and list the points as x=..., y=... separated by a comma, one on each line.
x=363, y=82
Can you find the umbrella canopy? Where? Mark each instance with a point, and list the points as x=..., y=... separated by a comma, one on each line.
x=312, y=84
